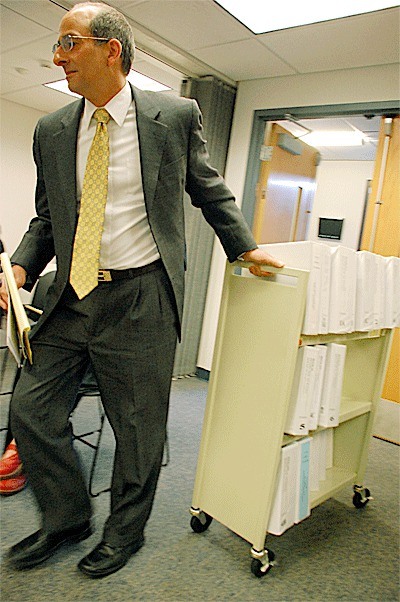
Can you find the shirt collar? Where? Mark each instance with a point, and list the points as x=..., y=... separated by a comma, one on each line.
x=117, y=107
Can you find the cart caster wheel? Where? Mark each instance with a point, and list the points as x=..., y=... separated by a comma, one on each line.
x=361, y=497
x=201, y=522
x=260, y=568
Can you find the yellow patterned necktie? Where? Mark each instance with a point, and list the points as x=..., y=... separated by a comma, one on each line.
x=86, y=252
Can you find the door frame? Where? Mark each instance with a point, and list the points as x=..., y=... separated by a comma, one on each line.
x=261, y=116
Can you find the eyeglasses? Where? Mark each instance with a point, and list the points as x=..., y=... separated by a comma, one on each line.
x=67, y=42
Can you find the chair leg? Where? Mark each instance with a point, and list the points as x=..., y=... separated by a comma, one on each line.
x=9, y=435
x=166, y=455
x=95, y=447
x=92, y=493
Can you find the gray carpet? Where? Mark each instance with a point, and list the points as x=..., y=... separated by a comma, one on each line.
x=339, y=553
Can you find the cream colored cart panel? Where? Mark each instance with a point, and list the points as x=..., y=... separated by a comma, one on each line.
x=251, y=375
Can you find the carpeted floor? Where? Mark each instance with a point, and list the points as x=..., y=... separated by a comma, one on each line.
x=339, y=553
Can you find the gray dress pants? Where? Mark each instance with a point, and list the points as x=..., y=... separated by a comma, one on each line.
x=127, y=329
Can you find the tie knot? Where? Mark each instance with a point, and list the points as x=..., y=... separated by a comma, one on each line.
x=101, y=116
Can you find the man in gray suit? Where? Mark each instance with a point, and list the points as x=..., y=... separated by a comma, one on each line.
x=127, y=326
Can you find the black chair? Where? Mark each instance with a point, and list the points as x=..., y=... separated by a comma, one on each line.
x=8, y=367
x=39, y=295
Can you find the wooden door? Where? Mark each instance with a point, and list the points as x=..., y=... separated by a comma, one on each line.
x=381, y=232
x=285, y=189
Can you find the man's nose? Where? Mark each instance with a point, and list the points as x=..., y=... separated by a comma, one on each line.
x=58, y=57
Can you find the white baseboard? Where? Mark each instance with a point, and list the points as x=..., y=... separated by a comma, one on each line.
x=387, y=421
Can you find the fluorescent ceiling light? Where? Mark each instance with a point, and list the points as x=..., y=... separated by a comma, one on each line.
x=262, y=17
x=143, y=82
x=355, y=138
x=61, y=86
x=137, y=79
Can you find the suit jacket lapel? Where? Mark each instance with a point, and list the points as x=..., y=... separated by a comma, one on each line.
x=65, y=140
x=152, y=138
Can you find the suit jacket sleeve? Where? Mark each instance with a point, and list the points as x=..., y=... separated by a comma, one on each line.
x=36, y=249
x=209, y=192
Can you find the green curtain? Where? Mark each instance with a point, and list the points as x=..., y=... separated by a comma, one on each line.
x=216, y=100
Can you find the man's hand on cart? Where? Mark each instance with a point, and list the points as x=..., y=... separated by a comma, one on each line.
x=261, y=258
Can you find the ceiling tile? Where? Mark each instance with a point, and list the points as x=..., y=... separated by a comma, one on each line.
x=10, y=82
x=124, y=5
x=40, y=98
x=42, y=12
x=16, y=30
x=162, y=73
x=366, y=152
x=189, y=25
x=32, y=63
x=244, y=60
x=340, y=44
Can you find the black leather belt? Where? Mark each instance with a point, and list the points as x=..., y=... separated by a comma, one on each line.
x=112, y=275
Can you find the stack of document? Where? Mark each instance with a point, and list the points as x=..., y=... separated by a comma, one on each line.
x=370, y=291
x=391, y=312
x=316, y=388
x=321, y=458
x=347, y=290
x=291, y=502
x=303, y=480
x=303, y=388
x=283, y=507
x=314, y=257
x=18, y=326
x=332, y=385
x=343, y=290
x=316, y=397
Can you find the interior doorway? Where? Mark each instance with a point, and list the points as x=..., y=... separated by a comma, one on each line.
x=359, y=115
x=285, y=188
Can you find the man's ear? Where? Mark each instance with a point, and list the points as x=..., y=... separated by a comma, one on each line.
x=115, y=51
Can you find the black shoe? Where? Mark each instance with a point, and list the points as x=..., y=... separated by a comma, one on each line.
x=40, y=545
x=106, y=559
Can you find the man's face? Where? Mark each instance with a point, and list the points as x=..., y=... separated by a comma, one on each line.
x=86, y=63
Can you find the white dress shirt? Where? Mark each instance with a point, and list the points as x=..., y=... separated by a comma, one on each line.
x=127, y=240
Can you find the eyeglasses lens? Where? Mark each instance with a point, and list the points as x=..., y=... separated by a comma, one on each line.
x=66, y=43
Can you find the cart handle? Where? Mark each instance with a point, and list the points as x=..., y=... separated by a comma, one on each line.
x=285, y=271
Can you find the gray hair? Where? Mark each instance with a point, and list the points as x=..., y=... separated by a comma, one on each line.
x=110, y=23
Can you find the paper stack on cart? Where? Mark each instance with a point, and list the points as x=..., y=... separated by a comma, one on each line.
x=315, y=257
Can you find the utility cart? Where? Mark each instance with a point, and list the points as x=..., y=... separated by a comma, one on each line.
x=258, y=337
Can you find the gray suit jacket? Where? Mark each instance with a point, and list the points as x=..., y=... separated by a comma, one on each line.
x=173, y=158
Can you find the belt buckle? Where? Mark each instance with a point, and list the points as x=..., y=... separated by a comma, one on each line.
x=104, y=276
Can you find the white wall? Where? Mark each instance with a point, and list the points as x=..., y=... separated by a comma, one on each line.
x=372, y=84
x=341, y=192
x=17, y=171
